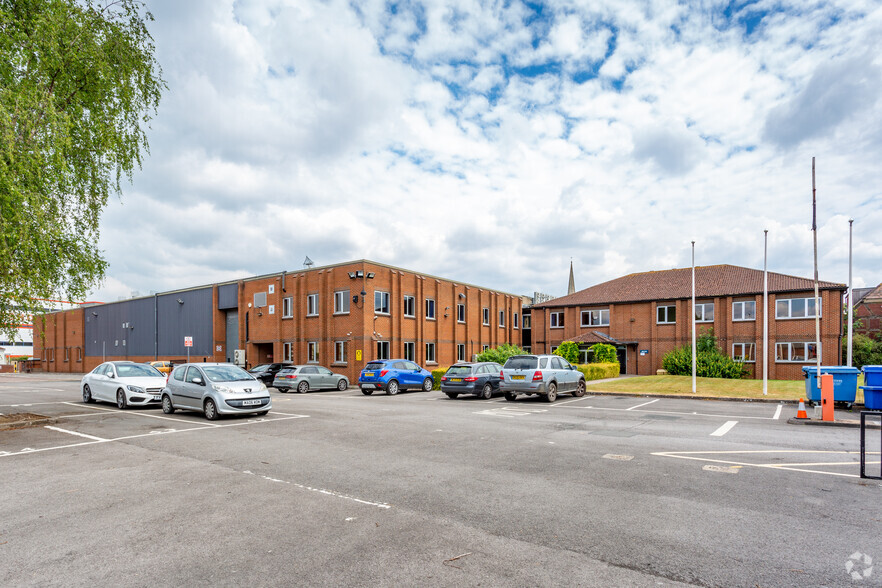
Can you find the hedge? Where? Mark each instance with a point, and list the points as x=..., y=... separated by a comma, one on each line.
x=436, y=375
x=599, y=371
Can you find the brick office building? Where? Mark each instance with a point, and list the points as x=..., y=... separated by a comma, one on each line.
x=646, y=315
x=339, y=315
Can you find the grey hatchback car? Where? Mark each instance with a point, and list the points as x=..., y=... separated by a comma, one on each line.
x=214, y=389
x=304, y=378
x=543, y=375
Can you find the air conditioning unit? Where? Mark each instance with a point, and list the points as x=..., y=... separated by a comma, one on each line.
x=239, y=357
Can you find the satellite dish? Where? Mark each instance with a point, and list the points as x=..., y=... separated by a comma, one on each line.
x=308, y=262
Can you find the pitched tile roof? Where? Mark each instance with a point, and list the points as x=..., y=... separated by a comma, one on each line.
x=714, y=280
x=873, y=296
x=598, y=337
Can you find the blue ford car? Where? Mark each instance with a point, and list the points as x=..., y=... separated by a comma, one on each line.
x=393, y=375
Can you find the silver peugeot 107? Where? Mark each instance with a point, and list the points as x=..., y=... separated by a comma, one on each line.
x=214, y=389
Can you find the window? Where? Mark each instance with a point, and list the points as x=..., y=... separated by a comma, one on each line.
x=67, y=354
x=341, y=302
x=460, y=313
x=410, y=350
x=381, y=302
x=666, y=315
x=526, y=321
x=526, y=348
x=704, y=312
x=745, y=352
x=79, y=354
x=382, y=350
x=286, y=352
x=312, y=305
x=192, y=374
x=744, y=310
x=791, y=308
x=501, y=318
x=460, y=352
x=340, y=352
x=430, y=309
x=803, y=352
x=514, y=320
x=288, y=307
x=430, y=353
x=409, y=306
x=595, y=318
x=484, y=348
x=312, y=352
x=485, y=316
x=556, y=320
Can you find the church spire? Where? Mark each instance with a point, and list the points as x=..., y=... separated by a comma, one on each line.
x=571, y=288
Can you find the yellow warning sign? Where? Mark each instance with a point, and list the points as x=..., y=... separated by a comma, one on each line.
x=358, y=355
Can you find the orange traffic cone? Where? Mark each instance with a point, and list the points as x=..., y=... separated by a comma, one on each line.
x=801, y=414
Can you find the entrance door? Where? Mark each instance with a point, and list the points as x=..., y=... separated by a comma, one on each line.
x=232, y=338
x=622, y=355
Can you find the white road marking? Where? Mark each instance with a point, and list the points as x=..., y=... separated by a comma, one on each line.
x=60, y=430
x=141, y=414
x=322, y=491
x=29, y=404
x=618, y=457
x=723, y=469
x=644, y=404
x=511, y=412
x=724, y=429
x=778, y=412
x=672, y=412
x=568, y=401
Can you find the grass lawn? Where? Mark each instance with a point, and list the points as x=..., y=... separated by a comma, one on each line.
x=716, y=387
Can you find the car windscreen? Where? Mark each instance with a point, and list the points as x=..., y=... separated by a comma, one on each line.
x=459, y=370
x=374, y=365
x=259, y=368
x=136, y=370
x=226, y=373
x=520, y=363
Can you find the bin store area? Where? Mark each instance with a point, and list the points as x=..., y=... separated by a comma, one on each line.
x=845, y=385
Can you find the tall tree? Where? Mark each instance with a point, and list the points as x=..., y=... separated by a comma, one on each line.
x=78, y=86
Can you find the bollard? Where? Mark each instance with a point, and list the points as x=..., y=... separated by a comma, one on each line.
x=827, y=397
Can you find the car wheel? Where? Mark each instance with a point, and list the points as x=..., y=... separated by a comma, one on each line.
x=87, y=394
x=552, y=392
x=392, y=387
x=509, y=396
x=366, y=392
x=452, y=395
x=580, y=389
x=486, y=392
x=210, y=409
x=121, y=399
x=167, y=406
x=342, y=385
x=427, y=385
x=303, y=387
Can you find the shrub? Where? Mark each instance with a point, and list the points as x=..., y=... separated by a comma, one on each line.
x=569, y=351
x=436, y=376
x=501, y=353
x=604, y=353
x=710, y=361
x=599, y=371
x=864, y=351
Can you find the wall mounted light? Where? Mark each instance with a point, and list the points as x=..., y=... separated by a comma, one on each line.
x=359, y=274
x=461, y=295
x=370, y=275
x=351, y=275
x=94, y=313
x=180, y=301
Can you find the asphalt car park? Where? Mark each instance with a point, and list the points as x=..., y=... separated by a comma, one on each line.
x=346, y=489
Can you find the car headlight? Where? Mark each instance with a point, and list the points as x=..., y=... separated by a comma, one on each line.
x=135, y=389
x=223, y=389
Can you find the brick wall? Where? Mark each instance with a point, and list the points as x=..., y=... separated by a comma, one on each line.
x=869, y=312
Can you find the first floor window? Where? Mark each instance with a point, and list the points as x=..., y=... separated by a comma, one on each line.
x=382, y=350
x=341, y=302
x=460, y=352
x=797, y=351
x=460, y=313
x=287, y=307
x=409, y=306
x=789, y=308
x=704, y=312
x=526, y=321
x=485, y=316
x=556, y=320
x=312, y=355
x=286, y=352
x=514, y=321
x=744, y=310
x=501, y=318
x=595, y=318
x=381, y=304
x=744, y=352
x=312, y=305
x=666, y=315
x=340, y=352
x=430, y=308
x=430, y=353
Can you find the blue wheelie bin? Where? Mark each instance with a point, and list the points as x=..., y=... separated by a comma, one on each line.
x=844, y=383
x=873, y=387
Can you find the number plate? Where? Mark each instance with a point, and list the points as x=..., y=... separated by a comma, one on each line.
x=456, y=379
x=156, y=397
x=369, y=374
x=367, y=386
x=250, y=402
x=517, y=377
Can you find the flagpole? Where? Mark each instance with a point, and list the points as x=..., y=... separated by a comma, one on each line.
x=693, y=317
x=817, y=298
x=850, y=294
x=766, y=313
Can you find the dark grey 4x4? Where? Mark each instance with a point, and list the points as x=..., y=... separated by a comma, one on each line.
x=544, y=375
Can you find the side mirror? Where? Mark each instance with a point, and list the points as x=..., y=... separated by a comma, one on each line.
x=110, y=375
x=198, y=381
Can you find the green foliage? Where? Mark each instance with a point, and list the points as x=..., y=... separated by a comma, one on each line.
x=599, y=371
x=604, y=353
x=864, y=351
x=501, y=353
x=78, y=85
x=569, y=351
x=710, y=360
x=436, y=376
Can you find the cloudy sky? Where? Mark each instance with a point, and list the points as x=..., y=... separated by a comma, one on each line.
x=493, y=141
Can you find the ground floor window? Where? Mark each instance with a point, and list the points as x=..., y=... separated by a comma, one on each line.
x=340, y=352
x=460, y=352
x=744, y=352
x=312, y=355
x=286, y=352
x=796, y=351
x=430, y=353
x=382, y=350
x=410, y=350
x=585, y=355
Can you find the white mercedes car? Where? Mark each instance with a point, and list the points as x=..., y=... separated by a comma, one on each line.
x=125, y=383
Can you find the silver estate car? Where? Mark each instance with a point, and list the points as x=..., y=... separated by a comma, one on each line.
x=214, y=389
x=304, y=378
x=544, y=375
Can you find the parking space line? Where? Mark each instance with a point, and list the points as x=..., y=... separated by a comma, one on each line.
x=778, y=412
x=725, y=428
x=20, y=404
x=382, y=505
x=644, y=404
x=142, y=414
x=569, y=401
x=60, y=430
x=723, y=416
x=694, y=455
